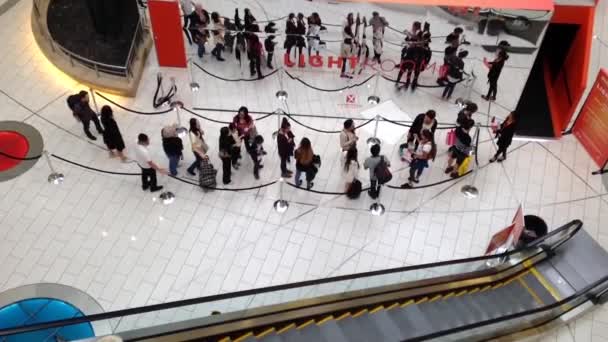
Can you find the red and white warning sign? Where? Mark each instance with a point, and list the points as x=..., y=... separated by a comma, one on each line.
x=351, y=99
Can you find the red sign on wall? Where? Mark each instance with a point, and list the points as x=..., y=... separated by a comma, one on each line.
x=591, y=127
x=166, y=20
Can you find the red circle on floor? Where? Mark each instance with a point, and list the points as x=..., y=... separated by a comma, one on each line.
x=15, y=145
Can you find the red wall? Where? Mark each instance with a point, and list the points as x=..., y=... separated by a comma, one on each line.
x=165, y=17
x=575, y=67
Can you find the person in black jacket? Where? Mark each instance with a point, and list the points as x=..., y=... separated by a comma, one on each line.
x=84, y=113
x=173, y=147
x=300, y=40
x=455, y=73
x=198, y=21
x=227, y=143
x=505, y=136
x=466, y=113
x=461, y=149
x=412, y=59
x=269, y=45
x=285, y=145
x=291, y=30
x=494, y=73
x=423, y=121
x=111, y=134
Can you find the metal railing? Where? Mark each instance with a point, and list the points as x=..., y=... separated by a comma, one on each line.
x=99, y=68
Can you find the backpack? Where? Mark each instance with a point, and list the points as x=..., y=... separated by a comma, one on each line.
x=382, y=172
x=73, y=101
x=355, y=189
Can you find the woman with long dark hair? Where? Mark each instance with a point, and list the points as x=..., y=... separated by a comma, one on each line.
x=199, y=146
x=111, y=134
x=305, y=156
x=505, y=136
x=427, y=150
x=494, y=73
x=291, y=30
x=245, y=126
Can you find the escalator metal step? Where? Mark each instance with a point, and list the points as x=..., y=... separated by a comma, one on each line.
x=290, y=335
x=269, y=338
x=411, y=321
x=443, y=315
x=467, y=314
x=310, y=333
x=387, y=326
x=332, y=332
x=359, y=329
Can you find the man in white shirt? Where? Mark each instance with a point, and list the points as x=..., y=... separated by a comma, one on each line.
x=148, y=167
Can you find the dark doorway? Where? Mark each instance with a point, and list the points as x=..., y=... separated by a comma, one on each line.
x=535, y=117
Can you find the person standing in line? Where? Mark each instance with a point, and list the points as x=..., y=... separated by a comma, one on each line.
x=300, y=39
x=461, y=149
x=218, y=36
x=505, y=136
x=225, y=145
x=235, y=154
x=269, y=45
x=254, y=52
x=285, y=146
x=423, y=121
x=455, y=73
x=466, y=113
x=426, y=150
x=173, y=147
x=348, y=39
x=111, y=134
x=351, y=169
x=304, y=156
x=198, y=22
x=291, y=29
x=148, y=167
x=412, y=58
x=245, y=126
x=348, y=137
x=257, y=154
x=372, y=163
x=249, y=18
x=378, y=25
x=314, y=29
x=494, y=73
x=83, y=112
x=199, y=146
x=448, y=52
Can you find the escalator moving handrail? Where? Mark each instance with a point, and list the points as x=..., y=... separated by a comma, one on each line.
x=583, y=292
x=224, y=296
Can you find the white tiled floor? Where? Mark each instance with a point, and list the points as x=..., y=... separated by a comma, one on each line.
x=101, y=234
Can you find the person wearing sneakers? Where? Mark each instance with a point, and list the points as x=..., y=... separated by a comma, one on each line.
x=148, y=167
x=304, y=157
x=461, y=149
x=348, y=39
x=427, y=150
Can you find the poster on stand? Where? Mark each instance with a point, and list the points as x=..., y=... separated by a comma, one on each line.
x=591, y=127
x=508, y=237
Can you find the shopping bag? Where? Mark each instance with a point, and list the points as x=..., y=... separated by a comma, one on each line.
x=464, y=167
x=450, y=138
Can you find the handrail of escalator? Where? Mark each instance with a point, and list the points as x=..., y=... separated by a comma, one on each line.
x=568, y=230
x=567, y=305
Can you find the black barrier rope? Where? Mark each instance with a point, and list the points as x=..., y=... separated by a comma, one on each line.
x=19, y=158
x=94, y=169
x=132, y=110
x=234, y=79
x=432, y=184
x=329, y=90
x=322, y=192
x=225, y=189
x=322, y=130
x=165, y=98
x=418, y=84
x=223, y=122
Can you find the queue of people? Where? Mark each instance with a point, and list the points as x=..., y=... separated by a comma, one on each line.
x=419, y=149
x=243, y=37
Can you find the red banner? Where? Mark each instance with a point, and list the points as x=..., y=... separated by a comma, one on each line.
x=166, y=20
x=509, y=236
x=591, y=127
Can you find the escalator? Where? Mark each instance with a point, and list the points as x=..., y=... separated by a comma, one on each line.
x=505, y=296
